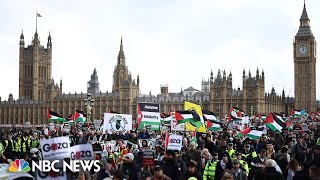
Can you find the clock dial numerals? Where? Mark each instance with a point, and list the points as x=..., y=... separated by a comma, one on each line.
x=303, y=50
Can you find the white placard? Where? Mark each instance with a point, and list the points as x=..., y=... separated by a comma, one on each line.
x=175, y=126
x=55, y=148
x=117, y=122
x=175, y=142
x=82, y=152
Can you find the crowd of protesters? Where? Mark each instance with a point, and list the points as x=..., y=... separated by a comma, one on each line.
x=214, y=155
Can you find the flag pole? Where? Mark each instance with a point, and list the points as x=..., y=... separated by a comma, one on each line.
x=36, y=20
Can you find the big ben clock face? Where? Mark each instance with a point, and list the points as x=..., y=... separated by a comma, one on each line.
x=303, y=50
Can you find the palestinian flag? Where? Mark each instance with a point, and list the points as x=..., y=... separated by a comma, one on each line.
x=194, y=138
x=296, y=113
x=274, y=123
x=78, y=116
x=288, y=125
x=208, y=115
x=251, y=132
x=165, y=118
x=188, y=116
x=213, y=125
x=53, y=116
x=232, y=118
x=236, y=112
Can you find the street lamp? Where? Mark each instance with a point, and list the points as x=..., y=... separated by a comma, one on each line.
x=89, y=103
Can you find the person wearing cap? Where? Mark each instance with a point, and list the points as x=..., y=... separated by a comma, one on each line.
x=158, y=174
x=129, y=168
x=248, y=154
x=237, y=172
x=170, y=166
x=192, y=171
x=243, y=164
x=231, y=150
x=214, y=169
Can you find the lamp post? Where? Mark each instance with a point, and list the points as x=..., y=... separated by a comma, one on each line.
x=89, y=103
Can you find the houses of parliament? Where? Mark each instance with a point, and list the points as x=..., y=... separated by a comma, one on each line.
x=38, y=91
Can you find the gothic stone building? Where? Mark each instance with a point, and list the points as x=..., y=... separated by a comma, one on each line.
x=305, y=55
x=38, y=91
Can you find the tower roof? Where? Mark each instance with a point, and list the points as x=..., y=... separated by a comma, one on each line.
x=304, y=29
x=304, y=15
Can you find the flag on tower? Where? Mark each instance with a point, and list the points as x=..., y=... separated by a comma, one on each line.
x=38, y=15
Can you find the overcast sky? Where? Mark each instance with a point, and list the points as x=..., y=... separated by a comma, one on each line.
x=167, y=42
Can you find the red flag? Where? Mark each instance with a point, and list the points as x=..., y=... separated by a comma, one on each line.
x=166, y=140
x=139, y=118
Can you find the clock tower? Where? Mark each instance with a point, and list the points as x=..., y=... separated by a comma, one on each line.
x=305, y=54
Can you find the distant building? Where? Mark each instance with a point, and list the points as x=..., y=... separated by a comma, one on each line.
x=38, y=91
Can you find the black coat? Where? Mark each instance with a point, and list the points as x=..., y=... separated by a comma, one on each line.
x=269, y=173
x=172, y=169
x=131, y=170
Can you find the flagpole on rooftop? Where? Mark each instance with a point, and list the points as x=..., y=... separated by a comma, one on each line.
x=36, y=20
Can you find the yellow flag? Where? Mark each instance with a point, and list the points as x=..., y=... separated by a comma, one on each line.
x=191, y=106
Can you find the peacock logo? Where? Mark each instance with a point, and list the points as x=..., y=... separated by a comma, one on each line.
x=19, y=165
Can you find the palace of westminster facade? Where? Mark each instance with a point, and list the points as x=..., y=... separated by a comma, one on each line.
x=38, y=91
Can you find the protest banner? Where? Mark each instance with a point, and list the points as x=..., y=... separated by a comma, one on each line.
x=175, y=126
x=175, y=142
x=97, y=124
x=117, y=122
x=149, y=115
x=148, y=157
x=82, y=152
x=55, y=148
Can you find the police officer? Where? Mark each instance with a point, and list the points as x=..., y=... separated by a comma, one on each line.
x=231, y=151
x=243, y=164
x=214, y=169
x=18, y=145
x=9, y=145
x=248, y=154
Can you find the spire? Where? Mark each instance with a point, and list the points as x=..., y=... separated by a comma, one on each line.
x=121, y=46
x=49, y=43
x=21, y=36
x=22, y=39
x=304, y=15
x=95, y=71
x=121, y=57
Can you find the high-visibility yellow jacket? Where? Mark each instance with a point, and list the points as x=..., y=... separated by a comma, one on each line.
x=210, y=170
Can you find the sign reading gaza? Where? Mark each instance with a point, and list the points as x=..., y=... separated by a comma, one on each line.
x=55, y=148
